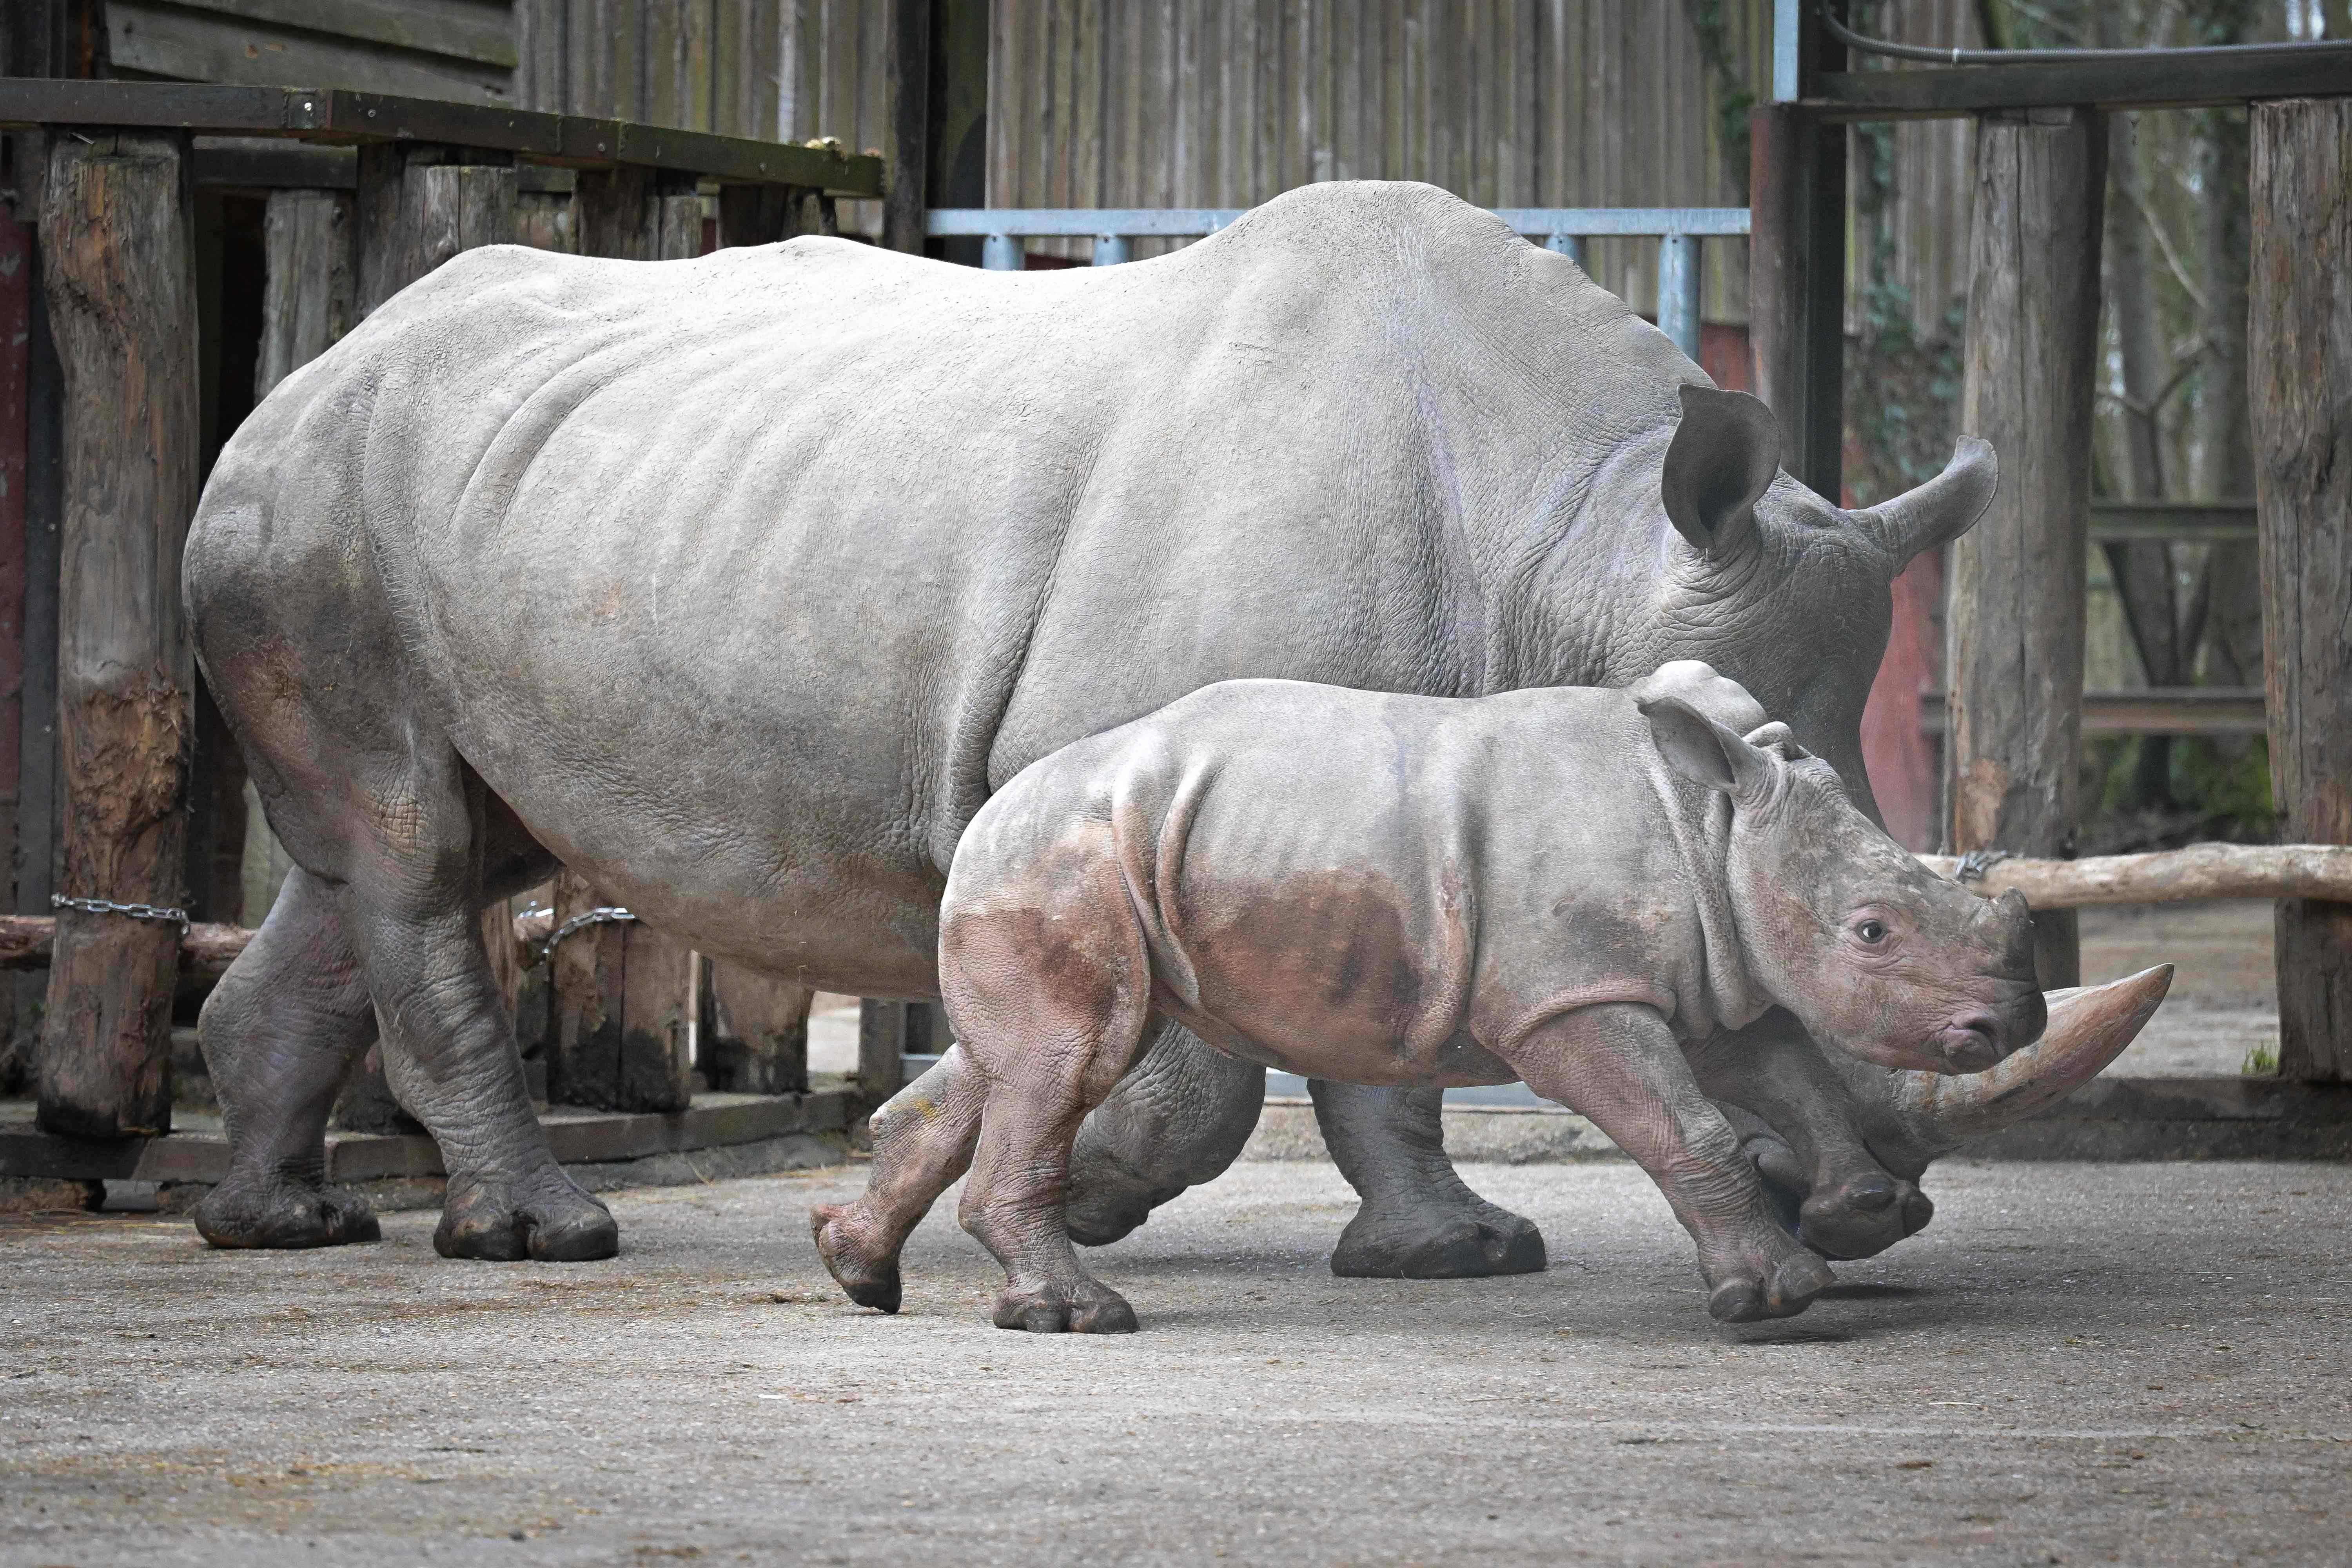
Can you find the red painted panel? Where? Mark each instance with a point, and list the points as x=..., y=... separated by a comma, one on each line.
x=1902, y=760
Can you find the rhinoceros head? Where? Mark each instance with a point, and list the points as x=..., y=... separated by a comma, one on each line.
x=1873, y=952
x=1775, y=588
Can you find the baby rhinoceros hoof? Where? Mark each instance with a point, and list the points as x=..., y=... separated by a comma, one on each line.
x=548, y=1218
x=238, y=1214
x=868, y=1272
x=1787, y=1290
x=1086, y=1307
x=1863, y=1218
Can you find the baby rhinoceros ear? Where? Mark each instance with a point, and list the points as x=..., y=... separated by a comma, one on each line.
x=1705, y=751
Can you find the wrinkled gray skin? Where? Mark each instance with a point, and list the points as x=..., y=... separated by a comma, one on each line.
x=738, y=585
x=1570, y=886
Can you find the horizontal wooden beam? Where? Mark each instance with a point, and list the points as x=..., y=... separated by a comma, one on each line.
x=2168, y=521
x=2163, y=80
x=205, y=948
x=338, y=116
x=2158, y=711
x=2169, y=876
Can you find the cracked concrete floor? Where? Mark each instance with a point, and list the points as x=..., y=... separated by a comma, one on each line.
x=2132, y=1364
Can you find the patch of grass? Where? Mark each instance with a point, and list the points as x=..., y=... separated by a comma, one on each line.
x=2260, y=1062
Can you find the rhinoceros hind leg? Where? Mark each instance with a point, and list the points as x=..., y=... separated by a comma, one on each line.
x=1419, y=1220
x=1049, y=986
x=280, y=1033
x=1177, y=1121
x=923, y=1141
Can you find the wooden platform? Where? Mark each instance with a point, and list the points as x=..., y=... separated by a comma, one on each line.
x=196, y=1151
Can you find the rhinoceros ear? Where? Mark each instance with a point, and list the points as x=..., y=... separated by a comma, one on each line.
x=1719, y=464
x=1703, y=750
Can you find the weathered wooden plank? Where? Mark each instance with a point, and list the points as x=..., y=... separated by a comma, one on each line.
x=310, y=289
x=2015, y=652
x=338, y=115
x=36, y=768
x=755, y=1032
x=908, y=86
x=120, y=276
x=886, y=1032
x=2176, y=82
x=675, y=219
x=611, y=212
x=164, y=39
x=2299, y=359
x=417, y=207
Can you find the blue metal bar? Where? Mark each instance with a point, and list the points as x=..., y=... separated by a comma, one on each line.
x=1587, y=222
x=1678, y=280
x=1183, y=222
x=1000, y=252
x=1111, y=249
x=1567, y=245
x=1785, y=19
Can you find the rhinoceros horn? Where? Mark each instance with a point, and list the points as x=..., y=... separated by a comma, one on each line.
x=1943, y=509
x=2088, y=1029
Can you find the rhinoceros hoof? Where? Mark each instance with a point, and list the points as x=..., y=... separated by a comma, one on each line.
x=283, y=1214
x=1088, y=1306
x=548, y=1218
x=1863, y=1218
x=869, y=1275
x=1447, y=1245
x=1747, y=1298
x=1100, y=1211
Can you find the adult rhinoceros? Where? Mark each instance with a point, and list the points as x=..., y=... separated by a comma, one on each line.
x=738, y=585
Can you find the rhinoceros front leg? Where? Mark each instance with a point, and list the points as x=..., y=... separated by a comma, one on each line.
x=1836, y=1195
x=1622, y=1067
x=280, y=1033
x=1419, y=1219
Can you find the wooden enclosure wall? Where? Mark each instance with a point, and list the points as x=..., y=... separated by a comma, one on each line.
x=1505, y=102
x=460, y=49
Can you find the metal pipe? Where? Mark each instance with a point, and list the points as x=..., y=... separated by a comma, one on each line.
x=1678, y=280
x=1111, y=249
x=1853, y=40
x=1788, y=20
x=1569, y=245
x=1001, y=253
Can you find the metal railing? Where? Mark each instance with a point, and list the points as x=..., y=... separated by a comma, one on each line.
x=1113, y=230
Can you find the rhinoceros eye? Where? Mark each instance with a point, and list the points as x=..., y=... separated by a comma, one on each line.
x=1871, y=932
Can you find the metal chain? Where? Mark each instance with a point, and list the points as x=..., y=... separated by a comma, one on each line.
x=1977, y=862
x=108, y=906
x=608, y=914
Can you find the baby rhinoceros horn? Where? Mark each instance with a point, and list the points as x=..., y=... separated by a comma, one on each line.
x=2088, y=1029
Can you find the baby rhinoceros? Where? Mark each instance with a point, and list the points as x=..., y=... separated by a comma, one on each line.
x=1566, y=885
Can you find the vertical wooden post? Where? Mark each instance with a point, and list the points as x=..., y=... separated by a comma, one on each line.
x=1796, y=286
x=610, y=214
x=37, y=767
x=418, y=206
x=620, y=1011
x=2299, y=365
x=16, y=435
x=755, y=1032
x=887, y=1031
x=119, y=274
x=754, y=215
x=309, y=283
x=906, y=140
x=2015, y=656
x=674, y=219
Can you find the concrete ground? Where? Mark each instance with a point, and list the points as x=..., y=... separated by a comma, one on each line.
x=2128, y=1363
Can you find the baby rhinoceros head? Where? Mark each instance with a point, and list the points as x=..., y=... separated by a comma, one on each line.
x=1872, y=952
